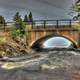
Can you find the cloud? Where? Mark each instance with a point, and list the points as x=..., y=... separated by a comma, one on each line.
x=41, y=9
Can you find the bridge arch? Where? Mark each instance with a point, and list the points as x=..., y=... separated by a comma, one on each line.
x=39, y=41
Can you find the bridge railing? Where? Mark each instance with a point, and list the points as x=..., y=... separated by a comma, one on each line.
x=42, y=24
x=6, y=27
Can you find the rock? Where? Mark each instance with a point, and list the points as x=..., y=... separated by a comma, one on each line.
x=23, y=51
x=48, y=67
x=33, y=67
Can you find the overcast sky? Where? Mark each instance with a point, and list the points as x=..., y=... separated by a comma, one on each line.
x=41, y=9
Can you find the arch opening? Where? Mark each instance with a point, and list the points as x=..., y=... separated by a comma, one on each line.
x=57, y=42
x=54, y=41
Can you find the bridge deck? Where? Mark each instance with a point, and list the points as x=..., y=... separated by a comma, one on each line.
x=54, y=29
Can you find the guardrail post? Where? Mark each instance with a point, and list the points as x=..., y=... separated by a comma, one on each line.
x=32, y=24
x=70, y=25
x=4, y=27
x=57, y=23
x=44, y=24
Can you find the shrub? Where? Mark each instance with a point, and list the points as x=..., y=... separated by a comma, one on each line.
x=2, y=40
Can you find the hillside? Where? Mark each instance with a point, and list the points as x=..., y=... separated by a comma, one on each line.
x=10, y=47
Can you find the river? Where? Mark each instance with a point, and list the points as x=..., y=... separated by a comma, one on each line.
x=50, y=65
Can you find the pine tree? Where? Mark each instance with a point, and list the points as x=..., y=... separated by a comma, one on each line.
x=25, y=18
x=17, y=17
x=19, y=27
x=2, y=20
x=30, y=17
x=18, y=20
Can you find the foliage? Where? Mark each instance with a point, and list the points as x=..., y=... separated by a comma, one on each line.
x=76, y=26
x=30, y=17
x=17, y=17
x=17, y=32
x=18, y=29
x=2, y=40
x=25, y=18
x=2, y=20
x=76, y=8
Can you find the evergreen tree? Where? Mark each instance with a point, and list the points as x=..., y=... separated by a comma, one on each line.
x=25, y=18
x=19, y=27
x=2, y=20
x=17, y=17
x=18, y=20
x=30, y=17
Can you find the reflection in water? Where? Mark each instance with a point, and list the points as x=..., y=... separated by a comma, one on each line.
x=59, y=42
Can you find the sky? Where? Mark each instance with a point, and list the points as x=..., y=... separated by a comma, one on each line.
x=57, y=42
x=41, y=9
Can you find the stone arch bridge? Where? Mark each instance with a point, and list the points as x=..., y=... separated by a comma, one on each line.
x=45, y=30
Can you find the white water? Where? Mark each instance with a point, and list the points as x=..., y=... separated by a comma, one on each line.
x=53, y=58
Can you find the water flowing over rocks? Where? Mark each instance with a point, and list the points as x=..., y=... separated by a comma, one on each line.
x=59, y=65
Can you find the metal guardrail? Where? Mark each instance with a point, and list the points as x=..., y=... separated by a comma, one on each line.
x=37, y=24
x=43, y=24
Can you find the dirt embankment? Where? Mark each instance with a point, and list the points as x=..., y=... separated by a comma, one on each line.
x=11, y=47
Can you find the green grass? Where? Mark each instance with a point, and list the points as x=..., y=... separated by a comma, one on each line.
x=2, y=40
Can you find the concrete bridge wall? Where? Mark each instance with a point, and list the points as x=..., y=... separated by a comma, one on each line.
x=36, y=34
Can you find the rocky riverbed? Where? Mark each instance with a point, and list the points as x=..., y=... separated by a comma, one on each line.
x=52, y=65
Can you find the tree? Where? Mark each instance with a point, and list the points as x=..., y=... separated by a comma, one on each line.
x=17, y=17
x=30, y=17
x=18, y=29
x=2, y=20
x=25, y=18
x=76, y=8
x=18, y=20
